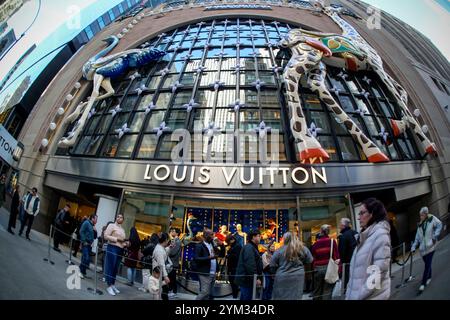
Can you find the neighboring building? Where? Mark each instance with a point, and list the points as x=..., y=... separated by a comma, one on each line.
x=6, y=40
x=236, y=44
x=8, y=8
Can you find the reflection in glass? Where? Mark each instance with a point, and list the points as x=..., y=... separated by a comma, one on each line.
x=126, y=146
x=148, y=146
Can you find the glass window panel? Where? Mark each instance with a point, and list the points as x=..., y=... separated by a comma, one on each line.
x=200, y=43
x=212, y=64
x=148, y=146
x=264, y=64
x=225, y=119
x=126, y=146
x=336, y=82
x=226, y=98
x=230, y=52
x=246, y=42
x=205, y=98
x=193, y=65
x=329, y=146
x=181, y=98
x=119, y=120
x=136, y=123
x=267, y=77
x=119, y=87
x=82, y=144
x=188, y=78
x=104, y=123
x=202, y=118
x=248, y=147
x=376, y=91
x=176, y=66
x=154, y=82
x=312, y=102
x=246, y=52
x=228, y=63
x=92, y=124
x=182, y=55
x=156, y=117
x=93, y=145
x=281, y=146
x=216, y=42
x=273, y=34
x=259, y=41
x=381, y=145
x=362, y=105
x=110, y=146
x=321, y=121
x=247, y=63
x=128, y=103
x=170, y=80
x=272, y=118
x=196, y=54
x=228, y=77
x=163, y=100
x=387, y=109
x=269, y=99
x=249, y=97
x=353, y=86
x=371, y=126
x=394, y=153
x=137, y=83
x=346, y=103
x=176, y=119
x=348, y=150
x=248, y=77
x=145, y=101
x=208, y=78
x=166, y=147
x=229, y=41
x=338, y=125
x=213, y=53
x=249, y=119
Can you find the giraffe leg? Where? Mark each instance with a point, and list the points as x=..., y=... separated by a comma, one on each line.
x=310, y=150
x=408, y=121
x=316, y=80
x=106, y=84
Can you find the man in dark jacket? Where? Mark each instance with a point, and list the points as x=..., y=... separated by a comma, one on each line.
x=15, y=204
x=346, y=246
x=232, y=261
x=87, y=237
x=174, y=255
x=206, y=265
x=62, y=220
x=250, y=263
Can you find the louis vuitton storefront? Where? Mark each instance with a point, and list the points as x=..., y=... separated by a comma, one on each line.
x=210, y=127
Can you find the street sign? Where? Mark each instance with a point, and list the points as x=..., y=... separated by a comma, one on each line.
x=7, y=145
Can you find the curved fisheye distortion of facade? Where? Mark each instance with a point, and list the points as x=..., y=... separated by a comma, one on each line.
x=271, y=115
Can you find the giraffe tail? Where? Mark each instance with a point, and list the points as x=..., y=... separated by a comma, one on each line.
x=398, y=127
x=378, y=157
x=431, y=149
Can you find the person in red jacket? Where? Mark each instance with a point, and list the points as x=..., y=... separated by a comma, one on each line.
x=321, y=251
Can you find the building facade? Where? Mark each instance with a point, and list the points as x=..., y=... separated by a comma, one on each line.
x=222, y=85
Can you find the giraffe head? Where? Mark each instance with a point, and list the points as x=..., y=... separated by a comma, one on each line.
x=296, y=37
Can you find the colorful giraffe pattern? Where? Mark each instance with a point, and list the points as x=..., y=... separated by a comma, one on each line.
x=309, y=53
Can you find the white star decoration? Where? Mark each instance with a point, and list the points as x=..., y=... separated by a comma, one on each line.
x=314, y=130
x=335, y=90
x=262, y=129
x=175, y=86
x=189, y=106
x=91, y=113
x=237, y=105
x=116, y=110
x=150, y=107
x=210, y=130
x=258, y=84
x=384, y=134
x=200, y=69
x=135, y=75
x=122, y=130
x=217, y=84
x=162, y=127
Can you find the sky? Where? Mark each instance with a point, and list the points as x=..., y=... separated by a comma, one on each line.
x=430, y=17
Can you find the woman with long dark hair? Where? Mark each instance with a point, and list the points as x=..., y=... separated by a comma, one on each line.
x=372, y=255
x=133, y=255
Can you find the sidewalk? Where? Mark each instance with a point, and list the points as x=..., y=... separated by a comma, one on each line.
x=25, y=275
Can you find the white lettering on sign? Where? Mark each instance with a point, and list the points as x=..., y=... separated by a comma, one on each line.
x=7, y=145
x=245, y=176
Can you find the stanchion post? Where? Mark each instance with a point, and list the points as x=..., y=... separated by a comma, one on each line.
x=263, y=285
x=94, y=290
x=50, y=236
x=254, y=287
x=70, y=250
x=403, y=266
x=410, y=278
x=344, y=276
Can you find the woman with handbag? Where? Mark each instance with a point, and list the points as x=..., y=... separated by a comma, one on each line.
x=326, y=264
x=132, y=257
x=369, y=267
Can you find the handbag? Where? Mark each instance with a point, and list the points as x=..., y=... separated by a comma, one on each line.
x=332, y=274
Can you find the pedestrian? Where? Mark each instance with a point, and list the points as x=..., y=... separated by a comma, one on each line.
x=147, y=256
x=426, y=239
x=76, y=235
x=61, y=222
x=205, y=263
x=372, y=255
x=87, y=237
x=161, y=260
x=22, y=207
x=115, y=235
x=268, y=275
x=174, y=255
x=132, y=259
x=32, y=204
x=232, y=261
x=321, y=251
x=2, y=190
x=347, y=244
x=154, y=284
x=250, y=263
x=288, y=265
x=15, y=204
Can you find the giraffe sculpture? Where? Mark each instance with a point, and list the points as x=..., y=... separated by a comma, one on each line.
x=100, y=69
x=310, y=52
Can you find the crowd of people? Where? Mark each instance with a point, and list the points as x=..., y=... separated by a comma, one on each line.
x=279, y=273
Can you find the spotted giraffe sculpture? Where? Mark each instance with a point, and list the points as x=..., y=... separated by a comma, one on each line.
x=100, y=69
x=310, y=52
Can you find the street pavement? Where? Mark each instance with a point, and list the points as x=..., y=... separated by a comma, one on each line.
x=25, y=275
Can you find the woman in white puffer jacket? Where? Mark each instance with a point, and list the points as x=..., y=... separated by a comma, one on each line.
x=369, y=267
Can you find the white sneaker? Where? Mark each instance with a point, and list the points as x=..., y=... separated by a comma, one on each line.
x=81, y=276
x=421, y=288
x=428, y=282
x=172, y=295
x=115, y=289
x=110, y=290
x=142, y=289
